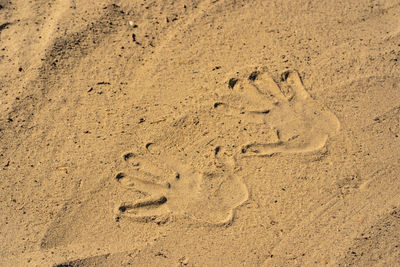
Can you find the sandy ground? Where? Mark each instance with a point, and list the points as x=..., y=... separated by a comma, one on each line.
x=199, y=133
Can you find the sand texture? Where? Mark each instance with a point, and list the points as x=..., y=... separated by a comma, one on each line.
x=199, y=133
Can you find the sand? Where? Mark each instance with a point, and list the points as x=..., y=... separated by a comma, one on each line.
x=199, y=133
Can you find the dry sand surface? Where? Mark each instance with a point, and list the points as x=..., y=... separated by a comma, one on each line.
x=199, y=133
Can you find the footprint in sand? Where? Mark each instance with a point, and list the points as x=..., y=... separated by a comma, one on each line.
x=175, y=188
x=300, y=123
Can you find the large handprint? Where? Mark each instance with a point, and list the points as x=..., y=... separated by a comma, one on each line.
x=176, y=188
x=300, y=123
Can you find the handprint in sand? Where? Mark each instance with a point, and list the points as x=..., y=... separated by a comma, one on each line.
x=299, y=122
x=172, y=187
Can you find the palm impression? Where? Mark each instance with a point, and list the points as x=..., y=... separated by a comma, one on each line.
x=173, y=187
x=299, y=122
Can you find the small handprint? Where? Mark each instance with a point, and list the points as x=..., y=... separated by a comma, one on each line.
x=300, y=123
x=175, y=188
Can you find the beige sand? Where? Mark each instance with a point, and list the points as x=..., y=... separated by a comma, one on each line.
x=199, y=133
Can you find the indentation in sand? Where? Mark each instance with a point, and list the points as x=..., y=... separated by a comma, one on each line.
x=300, y=123
x=175, y=188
